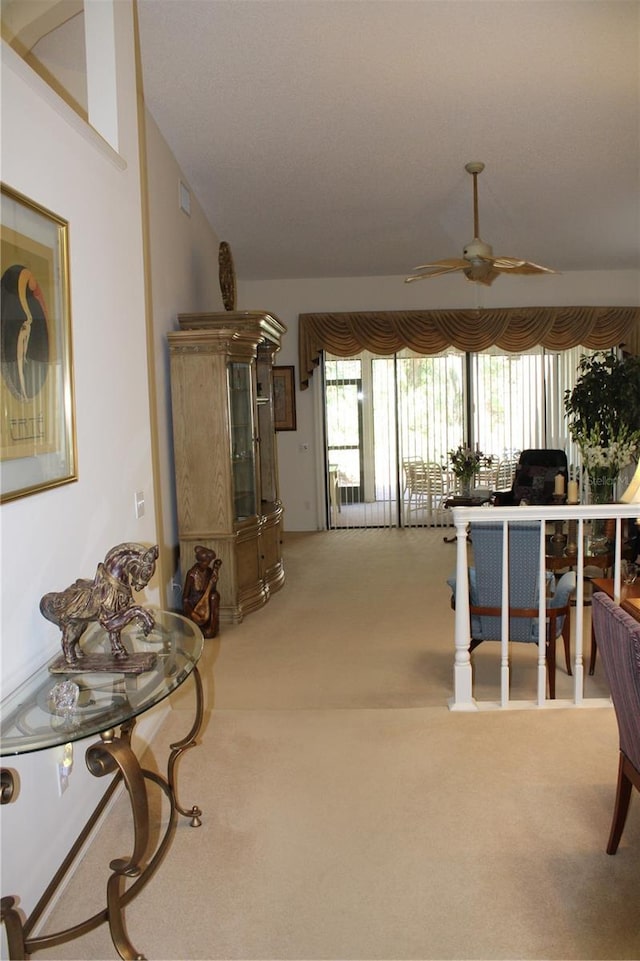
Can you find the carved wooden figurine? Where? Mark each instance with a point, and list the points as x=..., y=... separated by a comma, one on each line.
x=108, y=599
x=200, y=598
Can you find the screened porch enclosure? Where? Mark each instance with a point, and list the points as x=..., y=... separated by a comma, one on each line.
x=390, y=423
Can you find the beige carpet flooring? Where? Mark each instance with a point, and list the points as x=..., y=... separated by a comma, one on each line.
x=348, y=814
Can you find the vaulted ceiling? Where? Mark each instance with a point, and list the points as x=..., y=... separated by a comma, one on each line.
x=328, y=137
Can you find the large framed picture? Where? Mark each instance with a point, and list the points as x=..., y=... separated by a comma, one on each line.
x=37, y=426
x=284, y=398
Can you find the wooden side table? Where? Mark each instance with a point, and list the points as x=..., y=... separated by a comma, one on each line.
x=632, y=606
x=629, y=601
x=569, y=561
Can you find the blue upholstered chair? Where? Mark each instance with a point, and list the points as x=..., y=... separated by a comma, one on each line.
x=485, y=592
x=618, y=637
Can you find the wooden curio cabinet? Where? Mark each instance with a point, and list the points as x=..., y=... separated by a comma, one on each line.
x=225, y=451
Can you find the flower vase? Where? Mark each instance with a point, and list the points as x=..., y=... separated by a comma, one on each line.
x=601, y=488
x=602, y=484
x=598, y=541
x=465, y=487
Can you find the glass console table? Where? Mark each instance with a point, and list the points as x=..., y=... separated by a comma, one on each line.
x=36, y=716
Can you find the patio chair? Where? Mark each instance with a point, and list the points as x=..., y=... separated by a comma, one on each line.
x=618, y=636
x=505, y=473
x=487, y=476
x=425, y=484
x=485, y=592
x=534, y=478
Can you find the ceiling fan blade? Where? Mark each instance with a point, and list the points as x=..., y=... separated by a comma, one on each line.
x=437, y=269
x=511, y=265
x=453, y=262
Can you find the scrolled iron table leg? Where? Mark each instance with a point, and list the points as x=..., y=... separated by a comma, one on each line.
x=109, y=755
x=13, y=927
x=8, y=914
x=178, y=748
x=7, y=785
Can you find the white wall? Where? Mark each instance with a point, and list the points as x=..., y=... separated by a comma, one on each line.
x=301, y=469
x=51, y=538
x=184, y=277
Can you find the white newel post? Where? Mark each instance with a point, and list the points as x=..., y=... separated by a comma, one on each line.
x=463, y=699
x=504, y=620
x=542, y=621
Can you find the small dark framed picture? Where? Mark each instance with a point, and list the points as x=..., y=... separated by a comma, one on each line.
x=284, y=398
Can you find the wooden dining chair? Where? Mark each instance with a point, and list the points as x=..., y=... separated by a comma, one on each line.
x=618, y=637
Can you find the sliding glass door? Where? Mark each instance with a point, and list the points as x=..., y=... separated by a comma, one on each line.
x=381, y=413
x=432, y=395
x=508, y=410
x=343, y=395
x=390, y=423
x=360, y=427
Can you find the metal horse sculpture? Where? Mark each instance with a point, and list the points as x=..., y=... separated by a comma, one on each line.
x=107, y=599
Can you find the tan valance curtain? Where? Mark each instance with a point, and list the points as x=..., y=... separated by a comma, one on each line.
x=431, y=331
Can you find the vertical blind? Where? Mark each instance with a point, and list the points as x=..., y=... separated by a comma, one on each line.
x=390, y=423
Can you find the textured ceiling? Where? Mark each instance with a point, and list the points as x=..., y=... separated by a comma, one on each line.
x=328, y=137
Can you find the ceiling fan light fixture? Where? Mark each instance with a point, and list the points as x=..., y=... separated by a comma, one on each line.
x=481, y=272
x=477, y=250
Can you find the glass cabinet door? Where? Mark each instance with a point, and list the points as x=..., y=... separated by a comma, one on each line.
x=243, y=460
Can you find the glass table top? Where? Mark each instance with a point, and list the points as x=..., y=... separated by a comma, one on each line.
x=34, y=716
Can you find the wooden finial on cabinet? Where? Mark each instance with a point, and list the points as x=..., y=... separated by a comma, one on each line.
x=227, y=276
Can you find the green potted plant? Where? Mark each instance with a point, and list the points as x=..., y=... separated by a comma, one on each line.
x=603, y=412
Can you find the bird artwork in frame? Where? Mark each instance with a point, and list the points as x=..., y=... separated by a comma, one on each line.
x=37, y=427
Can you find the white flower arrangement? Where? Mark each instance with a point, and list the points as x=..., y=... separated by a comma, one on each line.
x=613, y=457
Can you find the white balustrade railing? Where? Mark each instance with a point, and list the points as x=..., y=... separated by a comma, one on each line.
x=582, y=515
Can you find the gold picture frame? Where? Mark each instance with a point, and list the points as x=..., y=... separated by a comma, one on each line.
x=284, y=398
x=37, y=417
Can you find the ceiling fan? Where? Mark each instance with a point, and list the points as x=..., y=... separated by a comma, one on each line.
x=479, y=265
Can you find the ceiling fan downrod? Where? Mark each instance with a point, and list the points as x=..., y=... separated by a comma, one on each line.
x=474, y=168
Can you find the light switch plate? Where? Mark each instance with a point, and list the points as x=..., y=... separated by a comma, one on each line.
x=185, y=198
x=139, y=503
